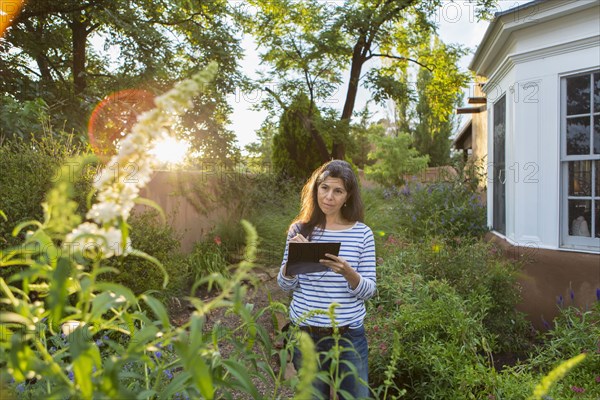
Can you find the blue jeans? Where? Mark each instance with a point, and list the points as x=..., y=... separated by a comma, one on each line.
x=354, y=350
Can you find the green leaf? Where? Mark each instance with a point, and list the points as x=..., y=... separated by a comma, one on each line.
x=25, y=224
x=159, y=310
x=141, y=337
x=201, y=375
x=3, y=215
x=58, y=294
x=146, y=394
x=117, y=289
x=147, y=257
x=83, y=368
x=104, y=302
x=243, y=379
x=152, y=204
x=179, y=382
x=14, y=318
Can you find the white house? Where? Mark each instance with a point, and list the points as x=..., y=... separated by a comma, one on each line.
x=542, y=64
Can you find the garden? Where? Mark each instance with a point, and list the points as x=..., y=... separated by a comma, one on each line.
x=100, y=301
x=89, y=308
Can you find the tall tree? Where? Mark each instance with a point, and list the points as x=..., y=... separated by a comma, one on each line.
x=426, y=113
x=293, y=145
x=309, y=44
x=72, y=53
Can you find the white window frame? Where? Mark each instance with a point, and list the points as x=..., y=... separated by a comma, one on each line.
x=567, y=241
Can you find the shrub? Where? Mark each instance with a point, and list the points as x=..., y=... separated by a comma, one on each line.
x=442, y=346
x=444, y=209
x=575, y=331
x=29, y=169
x=473, y=269
x=150, y=235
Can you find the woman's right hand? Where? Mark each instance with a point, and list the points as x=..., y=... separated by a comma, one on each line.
x=296, y=239
x=299, y=239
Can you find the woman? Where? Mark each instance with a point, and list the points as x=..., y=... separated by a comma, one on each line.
x=332, y=211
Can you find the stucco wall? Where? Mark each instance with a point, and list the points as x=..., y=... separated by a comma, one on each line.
x=548, y=275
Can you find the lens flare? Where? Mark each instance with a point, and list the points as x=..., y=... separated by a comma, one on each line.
x=113, y=118
x=170, y=150
x=9, y=9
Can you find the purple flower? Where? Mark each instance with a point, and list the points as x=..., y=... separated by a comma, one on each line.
x=158, y=354
x=598, y=379
x=572, y=294
x=20, y=388
x=71, y=376
x=99, y=343
x=598, y=294
x=559, y=300
x=546, y=324
x=577, y=389
x=168, y=374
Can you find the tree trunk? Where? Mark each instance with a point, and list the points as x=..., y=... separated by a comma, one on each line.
x=338, y=150
x=321, y=146
x=79, y=32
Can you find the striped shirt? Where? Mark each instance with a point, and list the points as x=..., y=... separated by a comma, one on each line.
x=316, y=291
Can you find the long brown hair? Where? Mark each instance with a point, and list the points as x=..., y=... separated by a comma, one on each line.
x=311, y=215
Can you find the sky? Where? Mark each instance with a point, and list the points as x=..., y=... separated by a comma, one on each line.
x=457, y=24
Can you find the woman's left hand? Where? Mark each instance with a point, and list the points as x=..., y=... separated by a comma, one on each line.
x=340, y=266
x=337, y=264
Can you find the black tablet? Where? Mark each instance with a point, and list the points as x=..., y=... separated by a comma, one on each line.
x=303, y=258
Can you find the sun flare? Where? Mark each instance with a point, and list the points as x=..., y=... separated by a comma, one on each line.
x=170, y=150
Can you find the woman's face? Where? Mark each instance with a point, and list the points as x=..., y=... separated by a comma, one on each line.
x=331, y=196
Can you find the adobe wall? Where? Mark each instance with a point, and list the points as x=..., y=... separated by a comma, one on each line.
x=549, y=274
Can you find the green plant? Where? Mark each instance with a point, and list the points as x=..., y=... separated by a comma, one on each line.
x=208, y=257
x=445, y=209
x=29, y=169
x=474, y=270
x=575, y=331
x=443, y=351
x=151, y=235
x=553, y=376
x=394, y=158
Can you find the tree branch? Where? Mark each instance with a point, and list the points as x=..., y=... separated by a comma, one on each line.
x=399, y=58
x=26, y=14
x=276, y=97
x=172, y=23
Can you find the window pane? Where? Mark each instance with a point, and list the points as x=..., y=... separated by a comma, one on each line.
x=597, y=223
x=597, y=194
x=597, y=226
x=499, y=188
x=578, y=135
x=580, y=178
x=597, y=92
x=580, y=213
x=578, y=95
x=597, y=134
